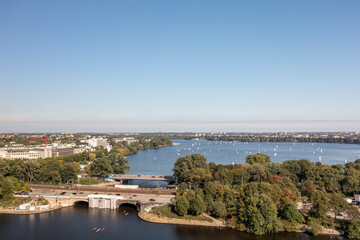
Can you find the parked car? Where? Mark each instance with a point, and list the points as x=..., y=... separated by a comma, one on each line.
x=152, y=200
x=63, y=193
x=21, y=193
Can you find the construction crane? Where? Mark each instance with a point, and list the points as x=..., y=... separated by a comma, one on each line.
x=46, y=140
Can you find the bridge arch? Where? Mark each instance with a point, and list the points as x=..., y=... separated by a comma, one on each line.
x=128, y=202
x=81, y=202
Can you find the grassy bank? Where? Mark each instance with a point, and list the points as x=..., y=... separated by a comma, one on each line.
x=168, y=211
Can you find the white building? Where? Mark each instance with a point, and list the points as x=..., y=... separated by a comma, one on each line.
x=97, y=142
x=25, y=152
x=126, y=139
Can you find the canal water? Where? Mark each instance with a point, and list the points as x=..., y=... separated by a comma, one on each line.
x=77, y=223
x=161, y=161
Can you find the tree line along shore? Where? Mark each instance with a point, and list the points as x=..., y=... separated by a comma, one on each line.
x=265, y=138
x=262, y=197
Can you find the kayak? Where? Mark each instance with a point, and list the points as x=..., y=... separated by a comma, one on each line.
x=94, y=229
x=102, y=230
x=98, y=230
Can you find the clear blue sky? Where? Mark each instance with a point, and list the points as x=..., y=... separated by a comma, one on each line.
x=148, y=65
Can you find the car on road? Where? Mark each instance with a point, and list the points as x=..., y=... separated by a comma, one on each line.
x=134, y=195
x=21, y=193
x=62, y=194
x=118, y=194
x=81, y=193
x=152, y=200
x=73, y=194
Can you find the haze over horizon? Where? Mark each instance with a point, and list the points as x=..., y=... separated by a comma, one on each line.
x=141, y=66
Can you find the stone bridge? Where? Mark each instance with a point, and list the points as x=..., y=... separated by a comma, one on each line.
x=65, y=201
x=101, y=201
x=114, y=202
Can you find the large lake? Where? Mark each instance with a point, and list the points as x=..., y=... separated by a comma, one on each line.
x=161, y=161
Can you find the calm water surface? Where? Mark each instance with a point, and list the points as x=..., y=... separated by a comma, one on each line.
x=161, y=161
x=77, y=222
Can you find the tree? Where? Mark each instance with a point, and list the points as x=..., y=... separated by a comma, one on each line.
x=219, y=209
x=292, y=214
x=197, y=205
x=257, y=158
x=352, y=213
x=209, y=192
x=337, y=203
x=4, y=167
x=320, y=204
x=184, y=165
x=258, y=173
x=101, y=166
x=351, y=182
x=77, y=166
x=258, y=214
x=6, y=189
x=18, y=187
x=28, y=170
x=49, y=171
x=314, y=226
x=308, y=187
x=68, y=172
x=352, y=229
x=26, y=187
x=118, y=163
x=256, y=189
x=181, y=205
x=92, y=156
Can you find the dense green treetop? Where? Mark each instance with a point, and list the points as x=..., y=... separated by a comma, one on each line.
x=258, y=158
x=188, y=165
